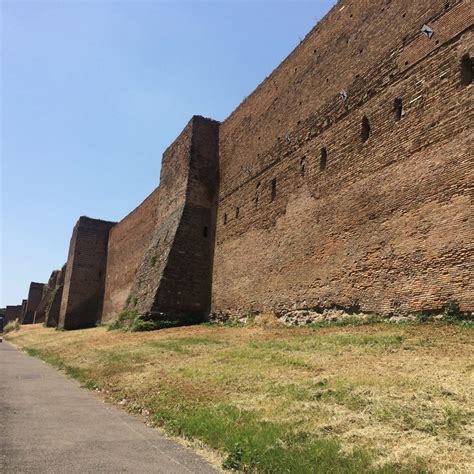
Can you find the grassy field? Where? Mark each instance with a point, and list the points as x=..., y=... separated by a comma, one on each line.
x=374, y=398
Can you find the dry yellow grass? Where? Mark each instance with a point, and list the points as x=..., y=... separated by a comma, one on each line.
x=402, y=392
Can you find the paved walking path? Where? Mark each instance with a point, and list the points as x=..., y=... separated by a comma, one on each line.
x=48, y=424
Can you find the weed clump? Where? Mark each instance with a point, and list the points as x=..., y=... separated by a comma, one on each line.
x=12, y=326
x=133, y=321
x=123, y=320
x=452, y=312
x=423, y=316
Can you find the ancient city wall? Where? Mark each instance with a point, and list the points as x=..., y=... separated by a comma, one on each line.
x=174, y=277
x=53, y=306
x=344, y=179
x=48, y=291
x=35, y=294
x=84, y=281
x=23, y=310
x=346, y=176
x=12, y=313
x=128, y=242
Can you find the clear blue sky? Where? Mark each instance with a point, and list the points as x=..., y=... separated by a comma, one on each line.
x=92, y=93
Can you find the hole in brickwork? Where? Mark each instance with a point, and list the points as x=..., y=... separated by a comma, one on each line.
x=273, y=189
x=225, y=219
x=256, y=194
x=100, y=274
x=398, y=109
x=323, y=159
x=365, y=129
x=237, y=212
x=205, y=231
x=302, y=166
x=466, y=70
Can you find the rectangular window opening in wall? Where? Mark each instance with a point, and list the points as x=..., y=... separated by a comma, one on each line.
x=365, y=129
x=398, y=109
x=303, y=166
x=323, y=158
x=273, y=189
x=205, y=231
x=466, y=70
x=225, y=219
x=256, y=195
x=237, y=212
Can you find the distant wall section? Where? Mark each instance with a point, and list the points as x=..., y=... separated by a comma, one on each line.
x=84, y=282
x=12, y=313
x=35, y=294
x=53, y=306
x=48, y=292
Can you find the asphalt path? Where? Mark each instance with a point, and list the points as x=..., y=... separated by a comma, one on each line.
x=48, y=424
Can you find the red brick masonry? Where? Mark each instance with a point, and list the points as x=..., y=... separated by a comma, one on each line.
x=344, y=179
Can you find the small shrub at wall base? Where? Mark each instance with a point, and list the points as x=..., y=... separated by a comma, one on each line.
x=12, y=326
x=453, y=313
x=132, y=320
x=124, y=319
x=158, y=320
x=423, y=316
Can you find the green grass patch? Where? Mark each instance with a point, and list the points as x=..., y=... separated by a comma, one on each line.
x=255, y=445
x=262, y=353
x=183, y=345
x=74, y=372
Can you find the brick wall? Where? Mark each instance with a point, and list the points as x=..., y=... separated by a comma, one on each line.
x=12, y=313
x=344, y=179
x=128, y=242
x=23, y=310
x=53, y=306
x=48, y=291
x=174, y=277
x=35, y=294
x=84, y=282
x=386, y=224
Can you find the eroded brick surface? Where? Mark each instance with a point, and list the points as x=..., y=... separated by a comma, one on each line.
x=53, y=305
x=128, y=242
x=48, y=291
x=174, y=277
